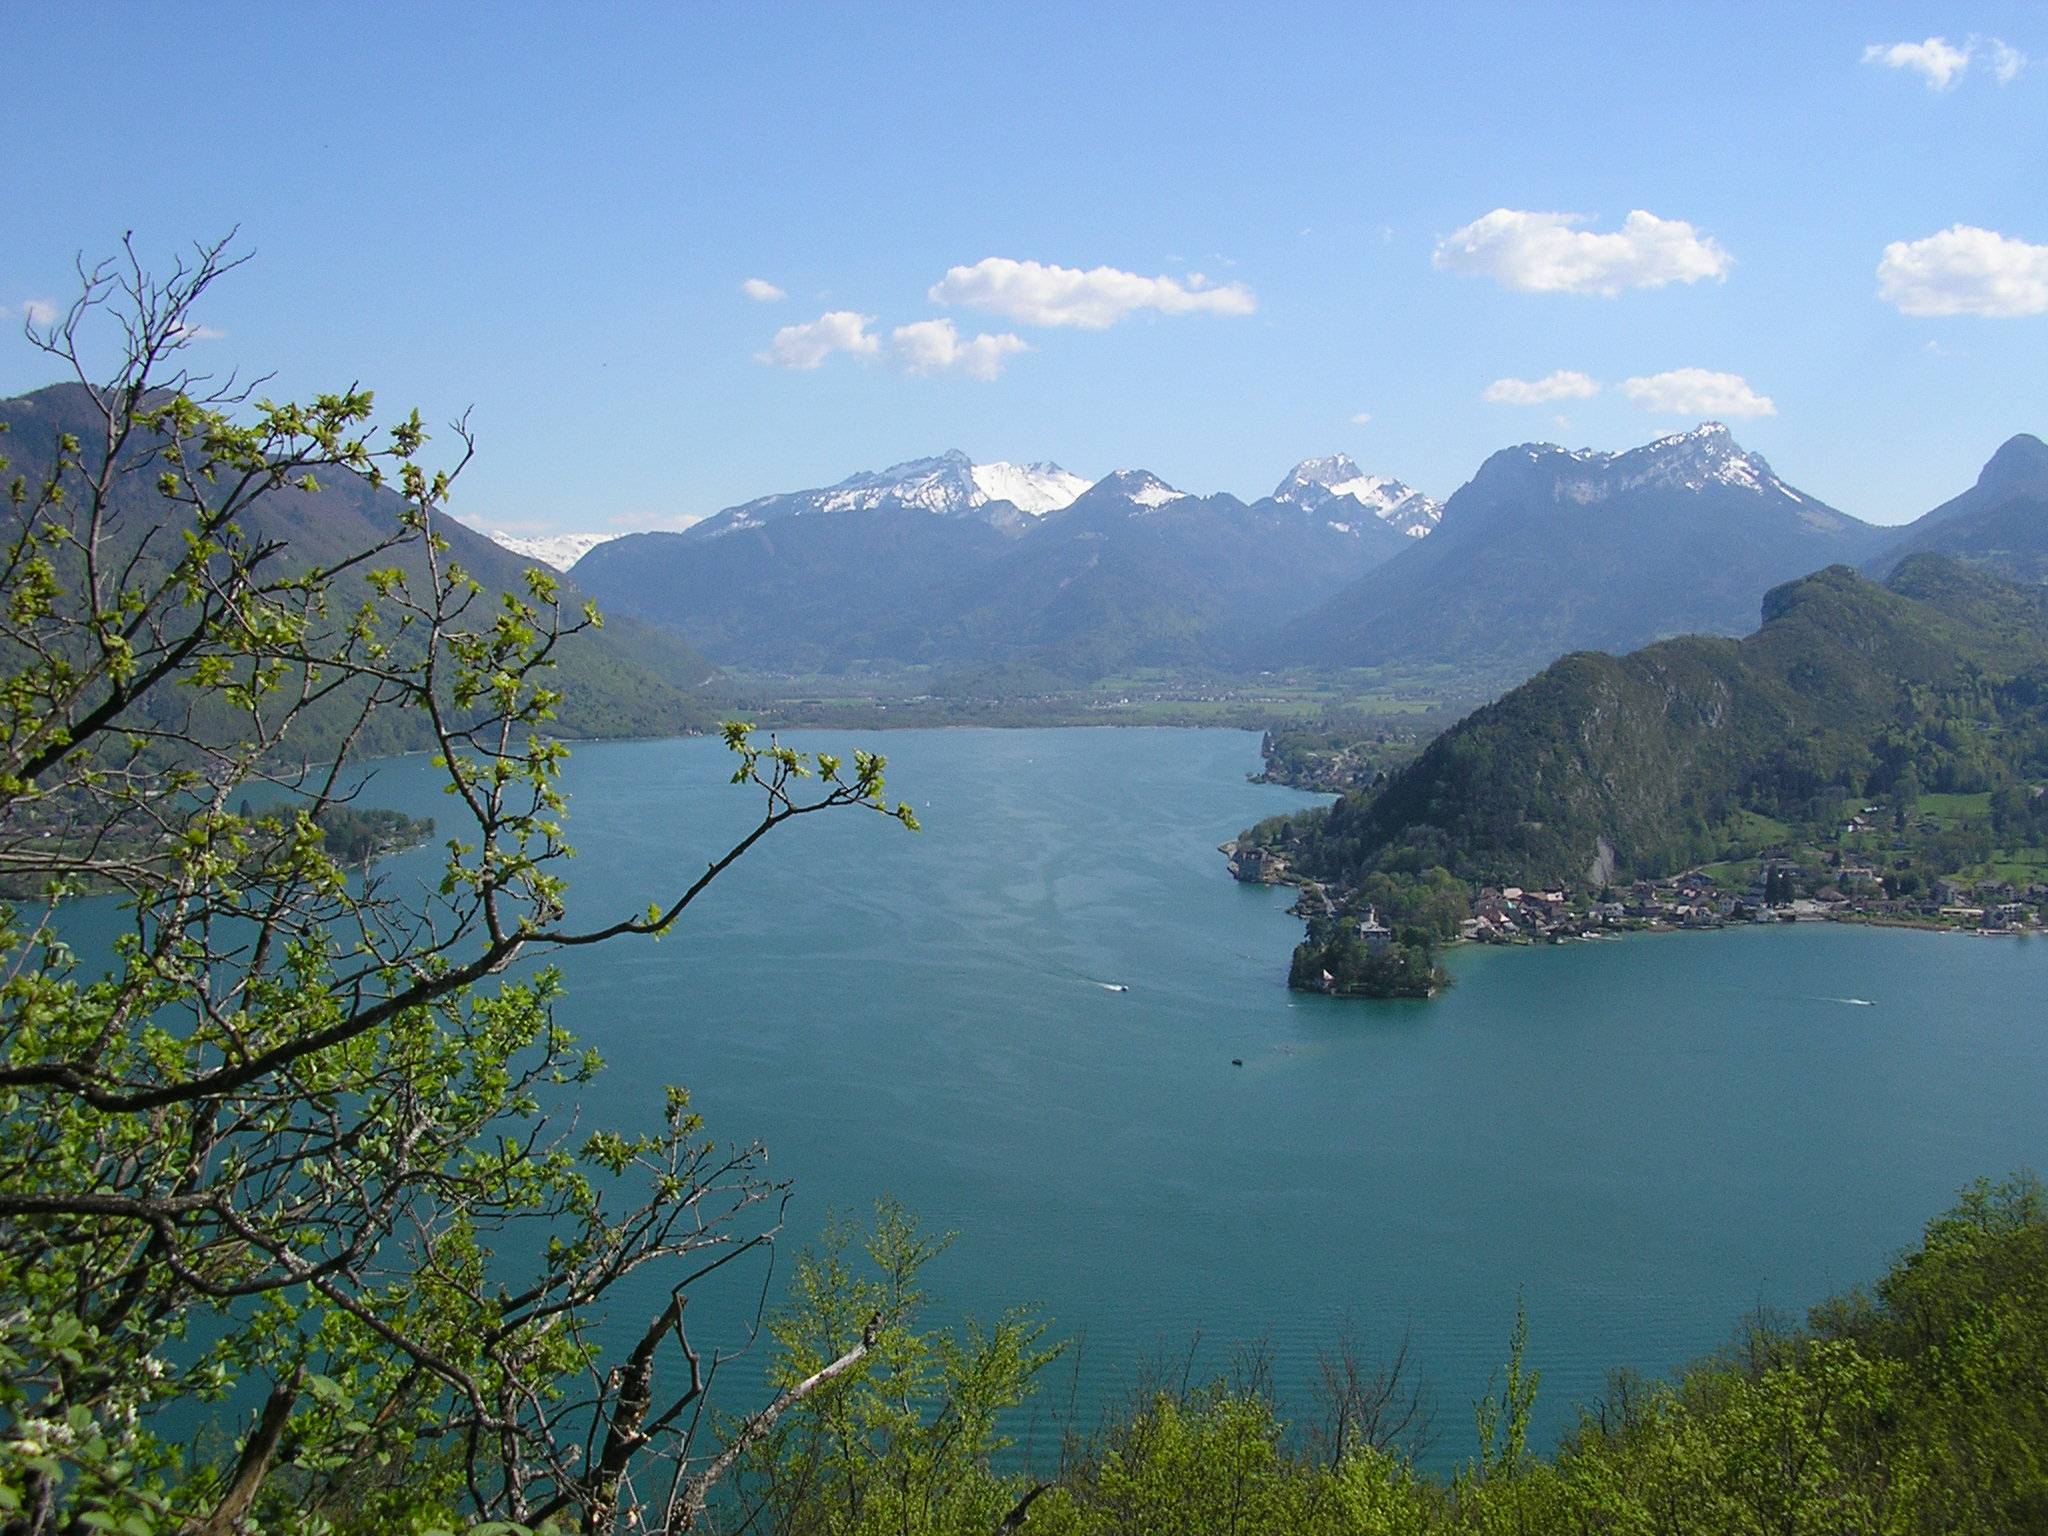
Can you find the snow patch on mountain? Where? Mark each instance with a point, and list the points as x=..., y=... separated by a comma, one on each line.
x=1314, y=484
x=944, y=484
x=560, y=550
x=1141, y=486
x=1706, y=456
x=949, y=485
x=1033, y=488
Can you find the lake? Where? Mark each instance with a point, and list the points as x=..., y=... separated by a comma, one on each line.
x=1642, y=1141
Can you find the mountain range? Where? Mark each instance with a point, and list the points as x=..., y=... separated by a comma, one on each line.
x=1000, y=571
x=1545, y=550
x=942, y=561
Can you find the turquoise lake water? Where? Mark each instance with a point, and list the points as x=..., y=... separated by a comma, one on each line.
x=1642, y=1140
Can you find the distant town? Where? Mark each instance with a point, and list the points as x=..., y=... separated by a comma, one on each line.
x=1782, y=891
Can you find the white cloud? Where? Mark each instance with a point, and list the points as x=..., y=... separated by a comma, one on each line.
x=1548, y=253
x=808, y=345
x=1561, y=385
x=39, y=312
x=934, y=346
x=1942, y=63
x=190, y=332
x=1361, y=418
x=761, y=291
x=1698, y=392
x=1033, y=293
x=1965, y=271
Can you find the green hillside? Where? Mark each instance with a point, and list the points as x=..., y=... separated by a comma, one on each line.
x=627, y=679
x=1602, y=768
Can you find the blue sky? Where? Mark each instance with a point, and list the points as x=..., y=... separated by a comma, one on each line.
x=548, y=214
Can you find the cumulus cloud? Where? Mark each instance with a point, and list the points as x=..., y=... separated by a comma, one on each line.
x=1361, y=418
x=38, y=312
x=1549, y=253
x=191, y=332
x=1561, y=385
x=1942, y=63
x=934, y=346
x=1033, y=293
x=1964, y=270
x=807, y=346
x=1938, y=60
x=761, y=291
x=1698, y=392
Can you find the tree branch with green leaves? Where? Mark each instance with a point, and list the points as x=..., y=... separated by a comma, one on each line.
x=292, y=1132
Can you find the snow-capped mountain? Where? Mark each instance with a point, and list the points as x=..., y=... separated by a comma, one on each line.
x=918, y=565
x=1706, y=456
x=1547, y=550
x=950, y=485
x=560, y=550
x=1141, y=486
x=1033, y=488
x=1314, y=484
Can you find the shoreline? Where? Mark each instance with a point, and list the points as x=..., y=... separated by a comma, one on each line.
x=1643, y=930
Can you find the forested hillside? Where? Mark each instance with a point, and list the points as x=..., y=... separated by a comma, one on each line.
x=1605, y=767
x=626, y=679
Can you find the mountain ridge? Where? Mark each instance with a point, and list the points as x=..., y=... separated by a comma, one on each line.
x=1131, y=571
x=2000, y=523
x=628, y=678
x=1547, y=550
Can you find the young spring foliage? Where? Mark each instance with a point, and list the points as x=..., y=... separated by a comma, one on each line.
x=288, y=1240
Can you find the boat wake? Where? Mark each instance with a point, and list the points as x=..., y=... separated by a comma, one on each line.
x=1852, y=1002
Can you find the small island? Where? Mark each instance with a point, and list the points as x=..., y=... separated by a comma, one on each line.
x=359, y=837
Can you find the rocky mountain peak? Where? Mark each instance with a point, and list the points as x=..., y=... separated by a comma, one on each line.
x=2020, y=460
x=1314, y=484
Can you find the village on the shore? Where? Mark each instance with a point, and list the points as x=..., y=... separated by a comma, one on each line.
x=1783, y=891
